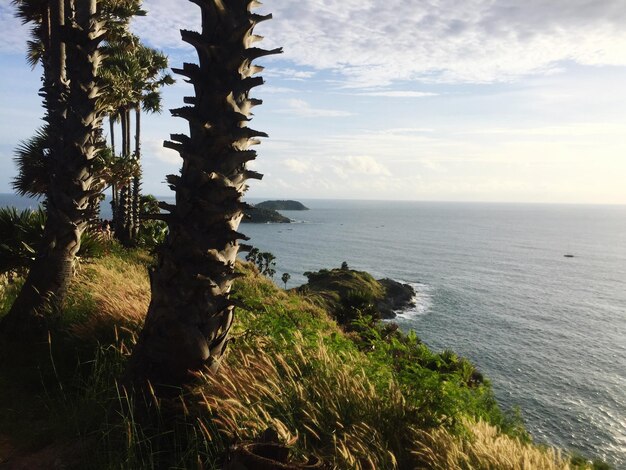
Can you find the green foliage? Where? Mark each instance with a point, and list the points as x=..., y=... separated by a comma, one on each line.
x=346, y=293
x=285, y=278
x=151, y=232
x=33, y=172
x=360, y=395
x=9, y=289
x=264, y=261
x=21, y=233
x=32, y=165
x=579, y=462
x=444, y=386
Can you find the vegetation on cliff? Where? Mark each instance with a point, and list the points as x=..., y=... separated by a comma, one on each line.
x=351, y=293
x=369, y=398
x=258, y=215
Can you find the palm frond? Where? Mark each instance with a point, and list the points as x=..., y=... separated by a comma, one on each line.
x=31, y=158
x=21, y=233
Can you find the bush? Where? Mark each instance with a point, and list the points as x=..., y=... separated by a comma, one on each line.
x=20, y=235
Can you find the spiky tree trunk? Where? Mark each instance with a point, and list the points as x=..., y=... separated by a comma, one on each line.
x=114, y=191
x=124, y=226
x=190, y=313
x=137, y=177
x=71, y=101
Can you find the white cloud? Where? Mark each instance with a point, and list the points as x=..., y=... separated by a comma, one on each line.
x=290, y=74
x=398, y=94
x=377, y=42
x=297, y=166
x=571, y=130
x=363, y=165
x=276, y=89
x=155, y=148
x=301, y=108
x=14, y=37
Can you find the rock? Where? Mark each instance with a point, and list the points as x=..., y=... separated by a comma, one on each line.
x=257, y=215
x=398, y=296
x=282, y=206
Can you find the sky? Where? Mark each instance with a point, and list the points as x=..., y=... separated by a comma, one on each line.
x=432, y=100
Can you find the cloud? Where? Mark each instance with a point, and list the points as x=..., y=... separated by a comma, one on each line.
x=155, y=148
x=290, y=74
x=398, y=94
x=276, y=89
x=297, y=166
x=379, y=42
x=13, y=40
x=571, y=131
x=301, y=108
x=363, y=165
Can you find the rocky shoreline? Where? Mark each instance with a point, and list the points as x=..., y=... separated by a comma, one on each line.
x=398, y=297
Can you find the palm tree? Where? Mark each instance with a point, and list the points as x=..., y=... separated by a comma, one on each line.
x=285, y=278
x=133, y=74
x=152, y=63
x=73, y=115
x=191, y=313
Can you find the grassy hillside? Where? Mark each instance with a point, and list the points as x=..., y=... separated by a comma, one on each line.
x=372, y=398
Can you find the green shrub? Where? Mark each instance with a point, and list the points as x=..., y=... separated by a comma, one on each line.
x=20, y=235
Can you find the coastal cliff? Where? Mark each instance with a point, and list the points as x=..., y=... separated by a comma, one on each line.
x=348, y=293
x=259, y=215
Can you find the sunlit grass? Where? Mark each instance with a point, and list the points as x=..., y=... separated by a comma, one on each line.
x=289, y=368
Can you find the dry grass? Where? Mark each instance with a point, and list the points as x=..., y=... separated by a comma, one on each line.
x=112, y=293
x=328, y=406
x=284, y=372
x=486, y=449
x=322, y=399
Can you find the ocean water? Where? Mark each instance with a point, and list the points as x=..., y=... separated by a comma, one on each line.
x=493, y=285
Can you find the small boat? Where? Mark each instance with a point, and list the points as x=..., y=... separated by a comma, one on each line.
x=568, y=256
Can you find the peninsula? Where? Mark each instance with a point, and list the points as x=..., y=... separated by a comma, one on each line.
x=259, y=215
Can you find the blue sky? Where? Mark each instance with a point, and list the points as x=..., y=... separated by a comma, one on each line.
x=474, y=100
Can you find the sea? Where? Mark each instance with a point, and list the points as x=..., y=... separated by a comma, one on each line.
x=493, y=284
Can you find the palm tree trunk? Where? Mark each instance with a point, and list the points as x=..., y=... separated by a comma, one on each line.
x=112, y=132
x=190, y=314
x=137, y=177
x=123, y=227
x=113, y=185
x=74, y=117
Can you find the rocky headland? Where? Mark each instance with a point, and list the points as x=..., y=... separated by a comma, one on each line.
x=259, y=215
x=349, y=293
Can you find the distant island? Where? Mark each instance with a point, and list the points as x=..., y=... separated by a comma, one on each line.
x=259, y=215
x=282, y=206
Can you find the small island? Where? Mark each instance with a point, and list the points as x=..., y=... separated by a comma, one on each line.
x=282, y=206
x=259, y=215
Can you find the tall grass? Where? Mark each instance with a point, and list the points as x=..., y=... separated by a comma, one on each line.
x=289, y=368
x=485, y=449
x=109, y=296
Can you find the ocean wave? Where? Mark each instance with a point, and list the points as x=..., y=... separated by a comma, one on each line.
x=422, y=301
